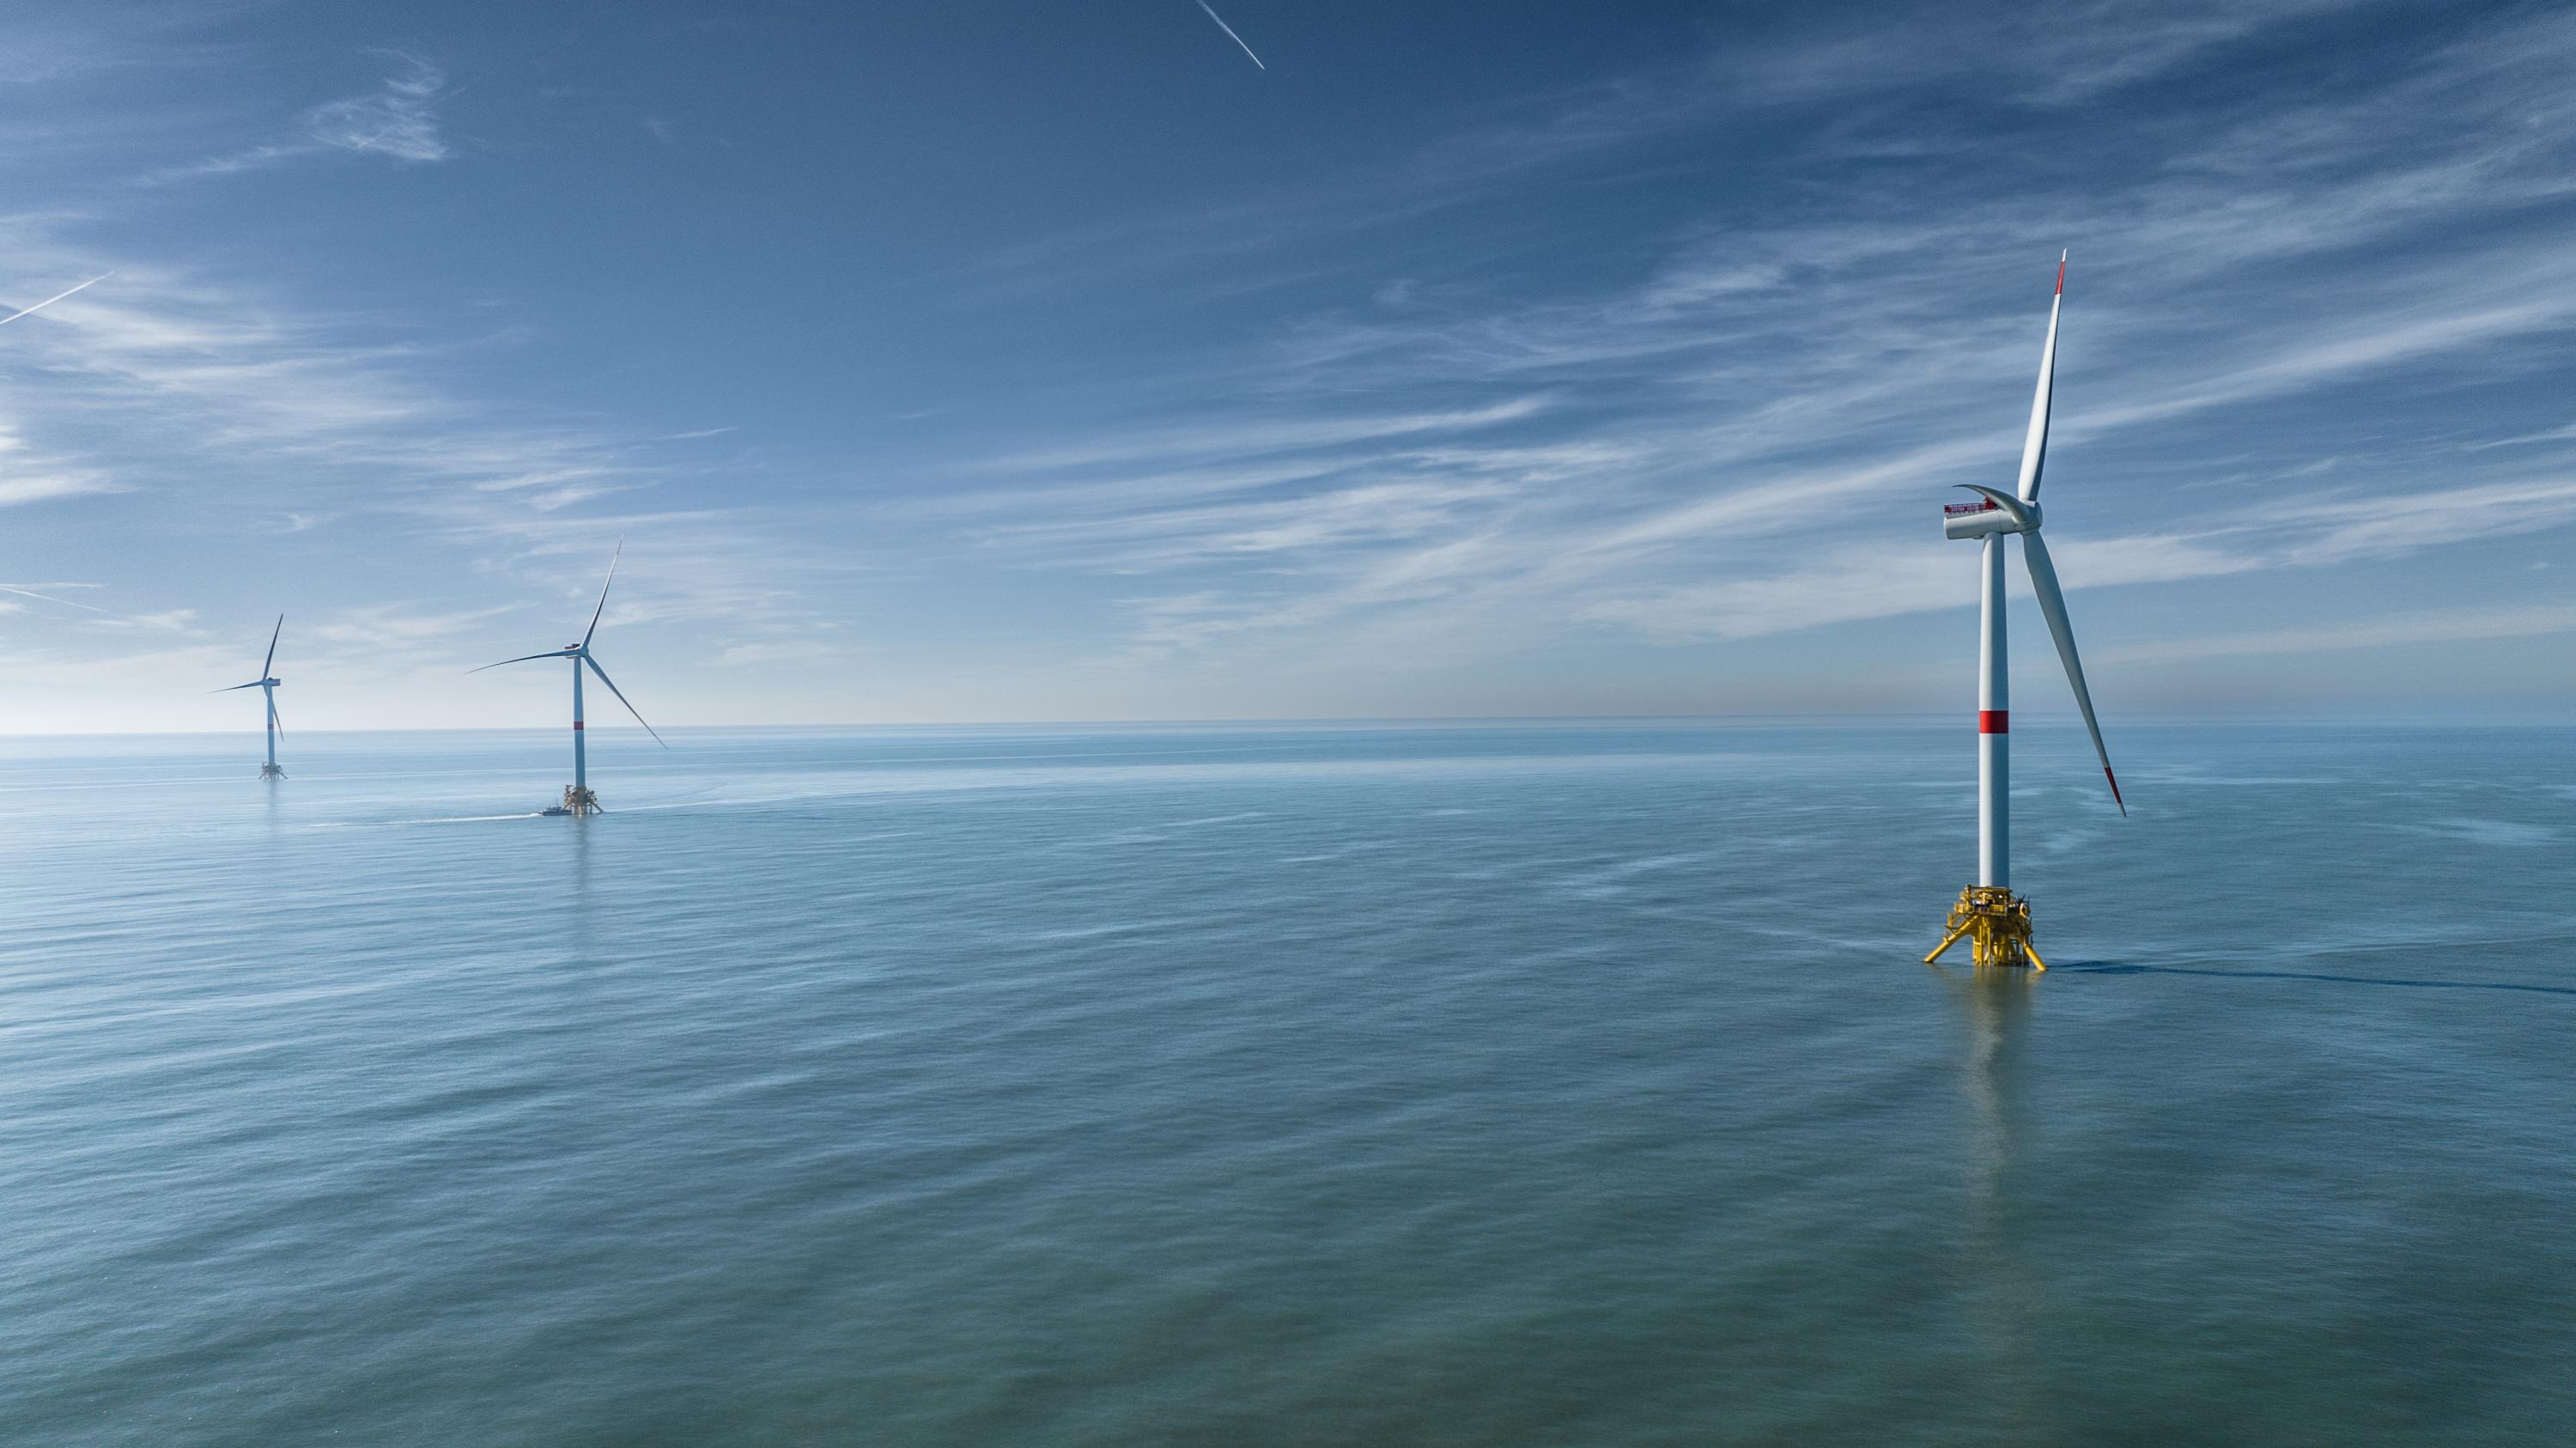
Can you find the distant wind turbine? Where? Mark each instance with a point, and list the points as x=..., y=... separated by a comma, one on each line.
x=578, y=800
x=56, y=297
x=1996, y=921
x=1211, y=14
x=267, y=683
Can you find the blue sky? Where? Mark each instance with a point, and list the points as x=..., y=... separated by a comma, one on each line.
x=990, y=361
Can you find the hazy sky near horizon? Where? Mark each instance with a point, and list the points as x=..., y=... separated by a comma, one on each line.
x=995, y=361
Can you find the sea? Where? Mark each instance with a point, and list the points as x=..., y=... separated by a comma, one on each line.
x=1544, y=1082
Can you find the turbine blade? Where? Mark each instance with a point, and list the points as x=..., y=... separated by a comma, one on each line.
x=275, y=720
x=621, y=697
x=270, y=666
x=229, y=688
x=603, y=595
x=2052, y=606
x=2034, y=444
x=56, y=297
x=521, y=659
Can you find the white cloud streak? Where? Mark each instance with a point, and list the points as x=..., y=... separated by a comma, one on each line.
x=2296, y=323
x=399, y=120
x=1763, y=395
x=1230, y=35
x=2456, y=626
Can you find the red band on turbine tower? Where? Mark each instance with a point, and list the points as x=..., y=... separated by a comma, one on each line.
x=1994, y=721
x=576, y=723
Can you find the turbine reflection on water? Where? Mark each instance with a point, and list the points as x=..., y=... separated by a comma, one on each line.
x=2003, y=1293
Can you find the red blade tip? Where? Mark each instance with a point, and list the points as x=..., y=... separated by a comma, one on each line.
x=2115, y=791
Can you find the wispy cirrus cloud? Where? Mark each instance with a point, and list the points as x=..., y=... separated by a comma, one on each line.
x=1250, y=438
x=2446, y=626
x=39, y=487
x=1677, y=356
x=51, y=593
x=1744, y=412
x=223, y=398
x=382, y=626
x=398, y=120
x=28, y=476
x=2045, y=57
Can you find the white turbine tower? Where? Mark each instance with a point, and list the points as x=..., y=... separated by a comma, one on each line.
x=1996, y=921
x=267, y=683
x=578, y=800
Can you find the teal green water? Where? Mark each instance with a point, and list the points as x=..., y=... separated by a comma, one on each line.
x=1445, y=1086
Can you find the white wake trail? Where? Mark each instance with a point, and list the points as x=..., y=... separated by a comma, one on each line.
x=103, y=276
x=1203, y=5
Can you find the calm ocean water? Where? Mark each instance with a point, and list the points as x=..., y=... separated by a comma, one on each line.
x=1540, y=1084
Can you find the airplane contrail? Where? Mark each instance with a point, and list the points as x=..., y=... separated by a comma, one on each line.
x=1203, y=5
x=93, y=281
x=47, y=597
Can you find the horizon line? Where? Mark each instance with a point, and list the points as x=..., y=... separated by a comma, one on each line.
x=1908, y=717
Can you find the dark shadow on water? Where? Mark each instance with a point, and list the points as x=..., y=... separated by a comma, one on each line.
x=2108, y=967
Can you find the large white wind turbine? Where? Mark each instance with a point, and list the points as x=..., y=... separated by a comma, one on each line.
x=267, y=683
x=578, y=800
x=1996, y=921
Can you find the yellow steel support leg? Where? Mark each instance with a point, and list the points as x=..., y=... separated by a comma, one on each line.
x=1997, y=925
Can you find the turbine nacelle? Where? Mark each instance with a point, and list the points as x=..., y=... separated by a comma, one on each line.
x=1994, y=512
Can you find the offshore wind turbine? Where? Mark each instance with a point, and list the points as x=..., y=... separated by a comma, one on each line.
x=1997, y=921
x=267, y=683
x=578, y=800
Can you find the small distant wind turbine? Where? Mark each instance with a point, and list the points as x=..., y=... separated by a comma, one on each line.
x=578, y=800
x=1997, y=921
x=267, y=683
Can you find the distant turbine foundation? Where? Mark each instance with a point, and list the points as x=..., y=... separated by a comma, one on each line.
x=580, y=801
x=1996, y=923
x=271, y=771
